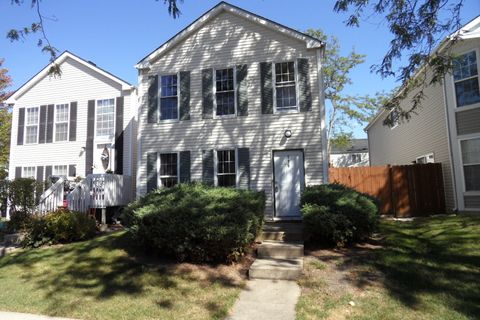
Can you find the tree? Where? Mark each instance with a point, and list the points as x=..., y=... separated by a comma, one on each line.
x=5, y=122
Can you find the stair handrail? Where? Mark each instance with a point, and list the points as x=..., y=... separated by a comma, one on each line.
x=52, y=197
x=79, y=199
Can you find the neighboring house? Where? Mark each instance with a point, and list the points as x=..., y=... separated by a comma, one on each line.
x=355, y=155
x=236, y=100
x=446, y=129
x=79, y=123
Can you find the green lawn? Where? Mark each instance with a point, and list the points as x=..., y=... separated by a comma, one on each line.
x=425, y=269
x=98, y=279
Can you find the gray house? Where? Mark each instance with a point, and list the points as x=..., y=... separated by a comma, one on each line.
x=234, y=99
x=445, y=130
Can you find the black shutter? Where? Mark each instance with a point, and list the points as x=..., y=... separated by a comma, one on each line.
x=243, y=168
x=90, y=134
x=153, y=99
x=185, y=95
x=39, y=173
x=21, y=126
x=18, y=172
x=207, y=93
x=72, y=170
x=50, y=109
x=43, y=124
x=207, y=166
x=305, y=93
x=266, y=83
x=48, y=172
x=119, y=137
x=152, y=175
x=242, y=91
x=185, y=167
x=73, y=121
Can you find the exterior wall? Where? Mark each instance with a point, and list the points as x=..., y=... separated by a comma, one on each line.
x=77, y=83
x=225, y=41
x=338, y=160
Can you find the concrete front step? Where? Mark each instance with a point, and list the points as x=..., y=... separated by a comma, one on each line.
x=276, y=269
x=280, y=250
x=280, y=236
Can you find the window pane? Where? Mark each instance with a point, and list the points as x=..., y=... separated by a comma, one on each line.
x=227, y=180
x=60, y=170
x=168, y=169
x=226, y=174
x=471, y=151
x=61, y=114
x=105, y=117
x=225, y=94
x=225, y=103
x=168, y=182
x=472, y=177
x=286, y=98
x=32, y=116
x=168, y=108
x=31, y=134
x=465, y=66
x=169, y=86
x=28, y=172
x=467, y=92
x=284, y=72
x=61, y=132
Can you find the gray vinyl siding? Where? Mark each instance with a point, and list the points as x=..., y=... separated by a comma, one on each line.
x=225, y=41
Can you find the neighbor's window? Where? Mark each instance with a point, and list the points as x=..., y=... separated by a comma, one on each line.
x=105, y=118
x=31, y=125
x=169, y=98
x=28, y=172
x=465, y=77
x=471, y=163
x=356, y=158
x=61, y=122
x=428, y=158
x=226, y=173
x=60, y=170
x=168, y=169
x=285, y=86
x=225, y=91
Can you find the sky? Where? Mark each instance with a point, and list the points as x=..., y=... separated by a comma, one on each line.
x=116, y=34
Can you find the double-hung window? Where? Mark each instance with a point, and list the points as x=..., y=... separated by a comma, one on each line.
x=28, y=172
x=169, y=97
x=356, y=158
x=168, y=169
x=465, y=77
x=226, y=168
x=61, y=122
x=285, y=86
x=60, y=170
x=31, y=125
x=105, y=118
x=225, y=92
x=471, y=163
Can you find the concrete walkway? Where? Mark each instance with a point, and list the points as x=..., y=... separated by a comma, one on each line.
x=26, y=316
x=267, y=299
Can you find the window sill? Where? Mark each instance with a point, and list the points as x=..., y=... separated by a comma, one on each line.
x=286, y=111
x=467, y=107
x=227, y=116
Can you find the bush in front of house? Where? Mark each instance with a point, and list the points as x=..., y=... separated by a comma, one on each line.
x=61, y=226
x=335, y=214
x=195, y=222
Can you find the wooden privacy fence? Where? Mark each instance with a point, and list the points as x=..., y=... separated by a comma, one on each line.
x=404, y=191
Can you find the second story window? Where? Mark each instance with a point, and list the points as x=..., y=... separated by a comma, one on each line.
x=61, y=122
x=105, y=118
x=226, y=168
x=465, y=77
x=285, y=87
x=225, y=92
x=169, y=98
x=31, y=126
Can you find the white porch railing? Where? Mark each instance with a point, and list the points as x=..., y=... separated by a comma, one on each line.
x=52, y=198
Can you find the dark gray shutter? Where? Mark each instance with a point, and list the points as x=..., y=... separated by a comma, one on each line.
x=153, y=99
x=18, y=172
x=152, y=174
x=39, y=173
x=43, y=124
x=73, y=122
x=119, y=136
x=242, y=91
x=243, y=168
x=72, y=170
x=50, y=109
x=48, y=172
x=266, y=84
x=185, y=95
x=207, y=93
x=305, y=92
x=184, y=166
x=90, y=134
x=21, y=126
x=207, y=166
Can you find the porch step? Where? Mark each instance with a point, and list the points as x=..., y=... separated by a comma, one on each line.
x=276, y=269
x=282, y=231
x=280, y=250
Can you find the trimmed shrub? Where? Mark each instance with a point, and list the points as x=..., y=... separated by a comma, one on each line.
x=336, y=214
x=196, y=222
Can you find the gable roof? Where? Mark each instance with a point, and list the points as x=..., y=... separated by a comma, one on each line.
x=60, y=59
x=356, y=146
x=223, y=6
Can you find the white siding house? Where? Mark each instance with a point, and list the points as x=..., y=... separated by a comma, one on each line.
x=234, y=100
x=354, y=155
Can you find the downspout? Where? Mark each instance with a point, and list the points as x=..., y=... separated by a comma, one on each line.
x=320, y=53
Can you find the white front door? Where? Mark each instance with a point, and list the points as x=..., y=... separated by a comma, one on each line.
x=289, y=182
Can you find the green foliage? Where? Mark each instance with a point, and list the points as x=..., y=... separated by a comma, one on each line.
x=196, y=222
x=61, y=226
x=23, y=193
x=336, y=214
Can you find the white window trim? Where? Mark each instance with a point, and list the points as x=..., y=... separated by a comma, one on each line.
x=55, y=123
x=274, y=84
x=215, y=116
x=159, y=177
x=426, y=156
x=34, y=170
x=159, y=98
x=215, y=165
x=31, y=125
x=463, y=185
x=473, y=105
x=105, y=138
